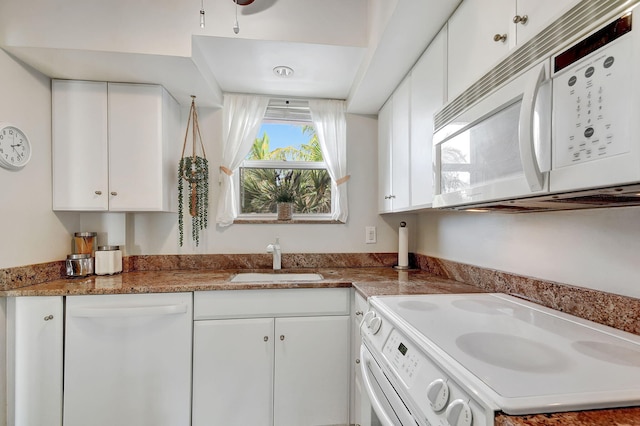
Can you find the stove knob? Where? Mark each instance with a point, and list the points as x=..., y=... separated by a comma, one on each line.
x=459, y=413
x=375, y=324
x=438, y=394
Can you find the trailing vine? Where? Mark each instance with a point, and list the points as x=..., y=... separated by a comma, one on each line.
x=195, y=171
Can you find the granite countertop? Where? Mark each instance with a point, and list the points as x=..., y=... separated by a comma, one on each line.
x=366, y=281
x=369, y=281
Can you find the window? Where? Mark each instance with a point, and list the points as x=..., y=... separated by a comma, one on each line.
x=285, y=159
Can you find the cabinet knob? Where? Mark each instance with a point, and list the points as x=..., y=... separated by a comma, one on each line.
x=520, y=19
x=48, y=318
x=282, y=337
x=357, y=360
x=500, y=37
x=266, y=338
x=114, y=193
x=358, y=313
x=98, y=192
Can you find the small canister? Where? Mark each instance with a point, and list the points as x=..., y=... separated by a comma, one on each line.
x=79, y=265
x=85, y=242
x=108, y=260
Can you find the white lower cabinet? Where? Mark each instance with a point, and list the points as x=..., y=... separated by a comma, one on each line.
x=274, y=358
x=34, y=361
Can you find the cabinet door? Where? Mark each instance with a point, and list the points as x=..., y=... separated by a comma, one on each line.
x=233, y=372
x=79, y=145
x=427, y=96
x=539, y=13
x=472, y=50
x=34, y=357
x=311, y=371
x=400, y=146
x=137, y=145
x=384, y=157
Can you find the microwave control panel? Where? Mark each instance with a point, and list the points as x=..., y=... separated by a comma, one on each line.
x=591, y=105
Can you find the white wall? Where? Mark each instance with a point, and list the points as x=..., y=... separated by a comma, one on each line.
x=31, y=231
x=155, y=233
x=598, y=249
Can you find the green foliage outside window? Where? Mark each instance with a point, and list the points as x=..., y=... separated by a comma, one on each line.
x=308, y=189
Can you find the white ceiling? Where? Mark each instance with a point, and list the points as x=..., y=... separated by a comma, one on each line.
x=357, y=50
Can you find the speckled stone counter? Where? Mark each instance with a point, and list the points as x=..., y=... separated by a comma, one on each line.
x=367, y=281
x=617, y=417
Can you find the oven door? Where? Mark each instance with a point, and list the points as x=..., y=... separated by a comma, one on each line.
x=385, y=401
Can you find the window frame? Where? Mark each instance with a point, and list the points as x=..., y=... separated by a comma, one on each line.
x=282, y=164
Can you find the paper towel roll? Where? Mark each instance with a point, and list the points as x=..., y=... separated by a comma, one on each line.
x=403, y=246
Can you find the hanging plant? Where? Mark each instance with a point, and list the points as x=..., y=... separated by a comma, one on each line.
x=195, y=171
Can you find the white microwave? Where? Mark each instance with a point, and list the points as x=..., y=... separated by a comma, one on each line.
x=562, y=134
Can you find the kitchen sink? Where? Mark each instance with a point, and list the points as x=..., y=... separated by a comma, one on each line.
x=267, y=277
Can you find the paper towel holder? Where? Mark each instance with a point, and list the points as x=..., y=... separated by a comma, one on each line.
x=402, y=267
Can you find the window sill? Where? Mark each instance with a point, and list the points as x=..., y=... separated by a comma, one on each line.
x=294, y=221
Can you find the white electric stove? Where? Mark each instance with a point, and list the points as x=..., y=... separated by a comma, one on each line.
x=458, y=359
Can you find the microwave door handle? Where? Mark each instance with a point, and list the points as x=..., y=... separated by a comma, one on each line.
x=532, y=173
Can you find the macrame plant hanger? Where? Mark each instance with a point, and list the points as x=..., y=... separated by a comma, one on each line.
x=195, y=171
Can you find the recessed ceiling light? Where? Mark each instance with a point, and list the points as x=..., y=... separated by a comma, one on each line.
x=283, y=71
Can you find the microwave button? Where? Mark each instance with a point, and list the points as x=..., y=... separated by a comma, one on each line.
x=573, y=80
x=589, y=72
x=608, y=62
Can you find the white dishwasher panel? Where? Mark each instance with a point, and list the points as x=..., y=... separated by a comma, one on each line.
x=128, y=360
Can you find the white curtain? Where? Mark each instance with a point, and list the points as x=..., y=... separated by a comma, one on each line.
x=243, y=116
x=331, y=126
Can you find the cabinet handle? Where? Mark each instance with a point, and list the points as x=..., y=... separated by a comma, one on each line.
x=266, y=338
x=358, y=313
x=98, y=192
x=520, y=19
x=282, y=337
x=500, y=37
x=389, y=197
x=357, y=360
x=48, y=318
x=114, y=193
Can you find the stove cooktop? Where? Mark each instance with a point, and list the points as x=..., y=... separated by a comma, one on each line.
x=527, y=358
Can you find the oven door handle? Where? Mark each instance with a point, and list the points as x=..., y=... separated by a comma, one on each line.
x=369, y=367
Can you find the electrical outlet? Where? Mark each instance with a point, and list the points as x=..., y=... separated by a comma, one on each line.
x=370, y=235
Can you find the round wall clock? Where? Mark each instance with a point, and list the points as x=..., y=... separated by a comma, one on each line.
x=15, y=148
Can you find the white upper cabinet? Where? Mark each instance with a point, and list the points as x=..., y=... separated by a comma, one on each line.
x=481, y=32
x=384, y=157
x=115, y=147
x=478, y=36
x=401, y=135
x=405, y=131
x=427, y=96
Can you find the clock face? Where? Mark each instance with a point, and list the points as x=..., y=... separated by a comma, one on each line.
x=15, y=149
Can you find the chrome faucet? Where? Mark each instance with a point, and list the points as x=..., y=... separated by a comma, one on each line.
x=277, y=254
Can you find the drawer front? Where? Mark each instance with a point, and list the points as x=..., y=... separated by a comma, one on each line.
x=271, y=303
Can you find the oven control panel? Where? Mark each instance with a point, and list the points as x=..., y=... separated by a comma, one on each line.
x=434, y=396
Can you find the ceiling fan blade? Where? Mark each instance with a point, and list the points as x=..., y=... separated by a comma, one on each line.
x=253, y=7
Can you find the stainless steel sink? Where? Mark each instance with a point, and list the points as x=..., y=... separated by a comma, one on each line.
x=266, y=277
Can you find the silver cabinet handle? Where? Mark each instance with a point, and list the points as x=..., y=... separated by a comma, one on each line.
x=98, y=192
x=266, y=338
x=389, y=197
x=114, y=193
x=500, y=37
x=358, y=313
x=282, y=337
x=48, y=318
x=357, y=360
x=520, y=19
